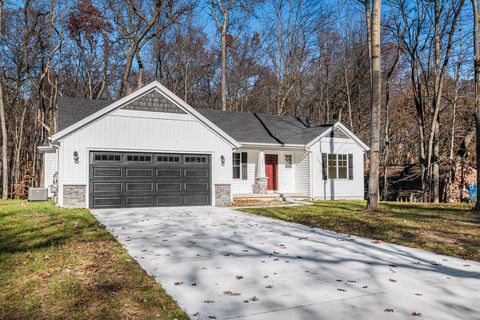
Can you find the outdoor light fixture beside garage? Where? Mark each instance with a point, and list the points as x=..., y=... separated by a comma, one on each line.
x=75, y=157
x=222, y=159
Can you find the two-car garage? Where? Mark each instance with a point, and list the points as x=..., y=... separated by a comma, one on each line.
x=129, y=179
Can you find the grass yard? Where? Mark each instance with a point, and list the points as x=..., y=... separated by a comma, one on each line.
x=60, y=263
x=450, y=229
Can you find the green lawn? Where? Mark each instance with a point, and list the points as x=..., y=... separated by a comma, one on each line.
x=451, y=229
x=61, y=264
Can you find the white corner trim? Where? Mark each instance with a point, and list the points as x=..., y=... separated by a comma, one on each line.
x=350, y=134
x=121, y=102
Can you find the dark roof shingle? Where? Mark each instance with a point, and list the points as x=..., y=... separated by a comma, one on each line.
x=72, y=110
x=242, y=126
x=264, y=128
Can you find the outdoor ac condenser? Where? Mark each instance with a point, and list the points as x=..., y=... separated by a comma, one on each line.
x=37, y=194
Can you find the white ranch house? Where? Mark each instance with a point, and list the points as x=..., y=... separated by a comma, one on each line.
x=150, y=148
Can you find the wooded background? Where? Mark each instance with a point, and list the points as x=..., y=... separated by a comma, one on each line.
x=305, y=58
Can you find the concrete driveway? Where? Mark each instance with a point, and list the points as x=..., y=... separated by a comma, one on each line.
x=218, y=263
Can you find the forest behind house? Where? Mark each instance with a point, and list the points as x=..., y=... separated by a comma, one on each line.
x=305, y=58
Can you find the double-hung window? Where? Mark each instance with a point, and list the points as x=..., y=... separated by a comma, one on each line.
x=338, y=166
x=239, y=164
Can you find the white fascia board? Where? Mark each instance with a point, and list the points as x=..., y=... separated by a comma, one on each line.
x=347, y=132
x=272, y=145
x=119, y=103
x=42, y=149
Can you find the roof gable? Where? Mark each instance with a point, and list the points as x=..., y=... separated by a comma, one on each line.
x=153, y=101
x=155, y=85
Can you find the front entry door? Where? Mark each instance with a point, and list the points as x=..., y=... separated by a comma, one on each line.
x=271, y=171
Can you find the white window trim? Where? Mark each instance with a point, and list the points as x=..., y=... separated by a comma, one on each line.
x=239, y=165
x=337, y=166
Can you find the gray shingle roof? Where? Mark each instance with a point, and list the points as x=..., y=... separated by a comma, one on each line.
x=264, y=128
x=242, y=126
x=72, y=110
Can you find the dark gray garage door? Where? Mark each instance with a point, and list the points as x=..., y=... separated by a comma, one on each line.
x=123, y=179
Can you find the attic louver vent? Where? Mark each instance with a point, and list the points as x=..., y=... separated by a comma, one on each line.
x=153, y=101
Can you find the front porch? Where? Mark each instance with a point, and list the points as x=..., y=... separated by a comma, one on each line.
x=274, y=174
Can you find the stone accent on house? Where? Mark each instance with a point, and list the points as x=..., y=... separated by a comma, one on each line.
x=74, y=196
x=260, y=186
x=223, y=195
x=155, y=102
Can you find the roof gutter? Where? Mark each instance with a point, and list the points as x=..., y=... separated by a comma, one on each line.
x=272, y=145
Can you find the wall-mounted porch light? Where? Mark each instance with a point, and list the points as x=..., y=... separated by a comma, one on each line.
x=222, y=160
x=76, y=158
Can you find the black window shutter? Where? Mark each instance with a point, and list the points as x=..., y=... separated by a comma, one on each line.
x=324, y=166
x=244, y=166
x=350, y=166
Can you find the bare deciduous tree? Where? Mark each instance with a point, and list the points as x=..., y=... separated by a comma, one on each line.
x=376, y=100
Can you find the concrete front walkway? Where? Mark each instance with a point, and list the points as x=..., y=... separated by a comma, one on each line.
x=218, y=263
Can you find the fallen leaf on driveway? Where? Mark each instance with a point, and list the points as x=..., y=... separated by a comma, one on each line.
x=231, y=293
x=388, y=310
x=269, y=287
x=392, y=280
x=341, y=290
x=416, y=314
x=239, y=277
x=365, y=287
x=178, y=283
x=419, y=294
x=208, y=301
x=254, y=298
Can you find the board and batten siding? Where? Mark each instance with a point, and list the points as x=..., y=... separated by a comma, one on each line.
x=50, y=168
x=337, y=189
x=142, y=131
x=290, y=180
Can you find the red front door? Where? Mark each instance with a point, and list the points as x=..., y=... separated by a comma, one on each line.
x=271, y=171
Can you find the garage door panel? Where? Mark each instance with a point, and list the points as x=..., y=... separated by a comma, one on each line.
x=139, y=201
x=169, y=186
x=142, y=180
x=107, y=172
x=191, y=186
x=139, y=186
x=197, y=199
x=138, y=172
x=169, y=173
x=107, y=186
x=196, y=173
x=166, y=200
x=107, y=202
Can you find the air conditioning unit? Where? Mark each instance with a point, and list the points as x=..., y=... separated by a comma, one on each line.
x=37, y=194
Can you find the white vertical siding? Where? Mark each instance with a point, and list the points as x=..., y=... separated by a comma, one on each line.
x=337, y=189
x=302, y=173
x=50, y=168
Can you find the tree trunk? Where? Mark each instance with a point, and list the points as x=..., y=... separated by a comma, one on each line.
x=476, y=64
x=376, y=92
x=224, y=64
x=4, y=144
x=4, y=128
